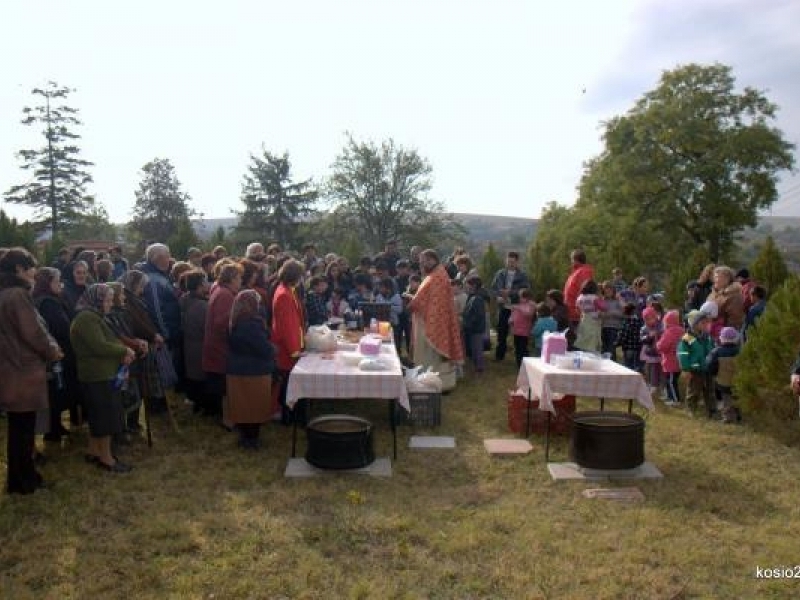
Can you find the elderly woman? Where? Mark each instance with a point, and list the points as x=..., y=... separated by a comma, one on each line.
x=62, y=390
x=25, y=350
x=194, y=307
x=215, y=343
x=75, y=277
x=251, y=362
x=288, y=322
x=100, y=353
x=726, y=293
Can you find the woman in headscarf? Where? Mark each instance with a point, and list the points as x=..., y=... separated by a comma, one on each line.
x=62, y=390
x=119, y=321
x=194, y=306
x=142, y=327
x=75, y=277
x=25, y=350
x=100, y=354
x=251, y=362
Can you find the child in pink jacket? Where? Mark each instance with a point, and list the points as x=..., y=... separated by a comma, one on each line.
x=521, y=321
x=667, y=346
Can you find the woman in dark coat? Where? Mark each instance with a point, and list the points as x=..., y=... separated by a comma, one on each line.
x=142, y=327
x=75, y=277
x=25, y=350
x=251, y=362
x=63, y=391
x=100, y=353
x=194, y=306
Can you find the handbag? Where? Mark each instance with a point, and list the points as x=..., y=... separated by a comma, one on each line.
x=166, y=370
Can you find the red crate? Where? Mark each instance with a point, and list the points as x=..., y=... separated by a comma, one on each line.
x=560, y=423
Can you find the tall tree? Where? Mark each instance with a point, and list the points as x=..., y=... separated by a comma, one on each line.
x=693, y=155
x=14, y=233
x=161, y=211
x=57, y=189
x=384, y=190
x=93, y=224
x=275, y=206
x=769, y=268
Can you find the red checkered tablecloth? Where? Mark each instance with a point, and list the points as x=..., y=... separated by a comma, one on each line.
x=320, y=375
x=612, y=381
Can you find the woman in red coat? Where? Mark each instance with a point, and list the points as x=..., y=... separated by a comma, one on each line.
x=288, y=324
x=215, y=343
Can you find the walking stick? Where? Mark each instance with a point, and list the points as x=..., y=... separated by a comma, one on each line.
x=145, y=405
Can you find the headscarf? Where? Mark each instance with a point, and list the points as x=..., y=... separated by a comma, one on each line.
x=68, y=274
x=93, y=298
x=118, y=290
x=245, y=306
x=132, y=279
x=42, y=285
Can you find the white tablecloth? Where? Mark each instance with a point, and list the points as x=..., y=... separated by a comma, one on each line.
x=613, y=381
x=320, y=375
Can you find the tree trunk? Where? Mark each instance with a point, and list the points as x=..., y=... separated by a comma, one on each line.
x=52, y=170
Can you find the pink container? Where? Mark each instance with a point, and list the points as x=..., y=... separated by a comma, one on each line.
x=553, y=343
x=369, y=346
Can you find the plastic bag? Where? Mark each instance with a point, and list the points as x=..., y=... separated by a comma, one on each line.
x=320, y=338
x=422, y=381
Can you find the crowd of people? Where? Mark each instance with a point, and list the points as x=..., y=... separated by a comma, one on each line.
x=95, y=337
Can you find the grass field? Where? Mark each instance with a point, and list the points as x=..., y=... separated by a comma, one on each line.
x=199, y=518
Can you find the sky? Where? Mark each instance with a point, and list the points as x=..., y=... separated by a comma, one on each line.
x=504, y=98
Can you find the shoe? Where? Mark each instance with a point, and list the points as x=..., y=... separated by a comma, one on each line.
x=117, y=467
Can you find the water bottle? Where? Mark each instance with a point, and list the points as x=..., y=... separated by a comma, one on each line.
x=121, y=379
x=373, y=325
x=58, y=375
x=359, y=320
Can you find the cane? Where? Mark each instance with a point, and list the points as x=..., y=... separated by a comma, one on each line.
x=145, y=405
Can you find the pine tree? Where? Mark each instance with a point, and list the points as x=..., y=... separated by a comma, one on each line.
x=769, y=268
x=57, y=189
x=274, y=205
x=161, y=209
x=14, y=233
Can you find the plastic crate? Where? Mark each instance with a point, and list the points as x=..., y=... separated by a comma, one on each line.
x=560, y=423
x=426, y=410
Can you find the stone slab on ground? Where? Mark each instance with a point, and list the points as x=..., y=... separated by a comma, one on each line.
x=299, y=468
x=431, y=441
x=567, y=471
x=507, y=447
x=627, y=494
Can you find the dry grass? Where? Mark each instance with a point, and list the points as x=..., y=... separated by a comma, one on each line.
x=200, y=519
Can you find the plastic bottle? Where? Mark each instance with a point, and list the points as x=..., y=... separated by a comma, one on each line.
x=58, y=374
x=121, y=378
x=373, y=325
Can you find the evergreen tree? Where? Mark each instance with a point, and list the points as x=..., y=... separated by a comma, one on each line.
x=14, y=233
x=490, y=263
x=769, y=268
x=274, y=205
x=161, y=211
x=57, y=189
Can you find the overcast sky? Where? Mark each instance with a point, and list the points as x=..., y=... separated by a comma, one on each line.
x=504, y=98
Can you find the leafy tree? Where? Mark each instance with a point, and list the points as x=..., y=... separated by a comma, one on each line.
x=14, y=233
x=762, y=369
x=161, y=211
x=93, y=224
x=544, y=277
x=693, y=155
x=57, y=189
x=769, y=268
x=383, y=190
x=275, y=206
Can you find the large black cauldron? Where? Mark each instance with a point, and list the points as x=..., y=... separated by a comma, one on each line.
x=607, y=440
x=339, y=442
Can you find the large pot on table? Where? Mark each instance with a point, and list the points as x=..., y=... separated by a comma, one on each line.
x=339, y=442
x=607, y=440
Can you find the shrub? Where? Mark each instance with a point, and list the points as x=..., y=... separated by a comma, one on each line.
x=762, y=378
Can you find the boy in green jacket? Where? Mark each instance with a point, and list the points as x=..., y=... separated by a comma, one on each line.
x=694, y=347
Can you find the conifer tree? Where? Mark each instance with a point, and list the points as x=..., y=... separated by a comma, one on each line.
x=57, y=188
x=769, y=268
